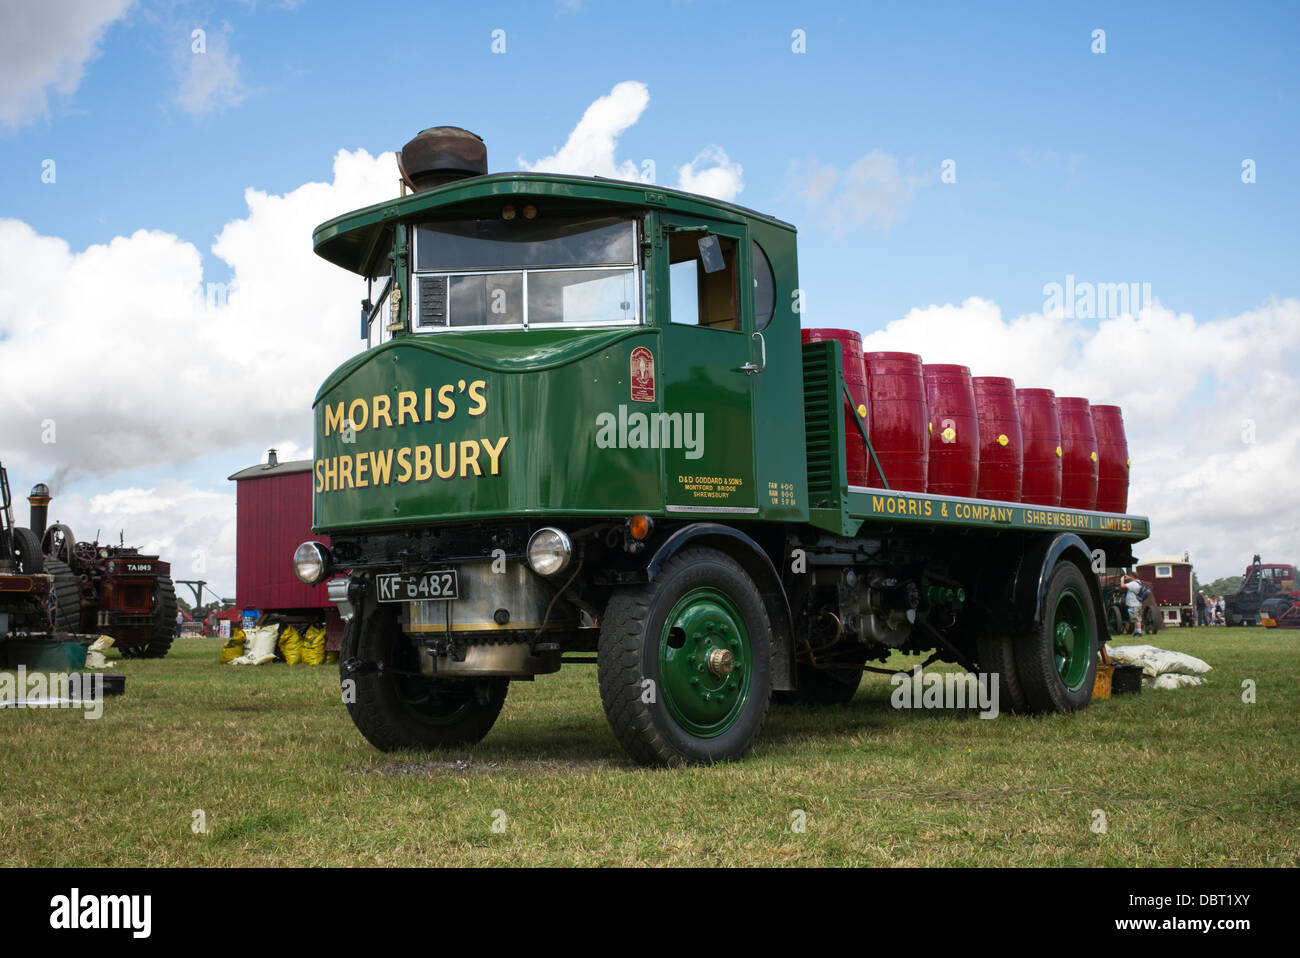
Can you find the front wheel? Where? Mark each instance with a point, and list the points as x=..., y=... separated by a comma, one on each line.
x=395, y=707
x=1057, y=661
x=685, y=662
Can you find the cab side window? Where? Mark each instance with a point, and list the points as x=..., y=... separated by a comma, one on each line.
x=702, y=280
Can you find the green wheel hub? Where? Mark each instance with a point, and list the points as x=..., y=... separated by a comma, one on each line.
x=705, y=662
x=1071, y=643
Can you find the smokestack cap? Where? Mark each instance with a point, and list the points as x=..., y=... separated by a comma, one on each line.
x=271, y=458
x=441, y=154
x=39, y=491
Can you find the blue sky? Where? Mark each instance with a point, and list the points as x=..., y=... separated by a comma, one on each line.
x=1122, y=166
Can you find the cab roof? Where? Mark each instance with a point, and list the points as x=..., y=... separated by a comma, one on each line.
x=353, y=239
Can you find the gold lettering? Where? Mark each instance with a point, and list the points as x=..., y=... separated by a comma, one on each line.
x=423, y=463
x=428, y=404
x=494, y=454
x=480, y=401
x=320, y=482
x=382, y=404
x=331, y=474
x=381, y=467
x=333, y=418
x=363, y=463
x=406, y=401
x=445, y=401
x=345, y=471
x=404, y=463
x=451, y=460
x=469, y=457
x=359, y=422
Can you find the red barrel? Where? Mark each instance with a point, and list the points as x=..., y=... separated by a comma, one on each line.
x=1040, y=431
x=1001, y=446
x=1078, y=453
x=899, y=414
x=954, y=431
x=1112, y=459
x=855, y=377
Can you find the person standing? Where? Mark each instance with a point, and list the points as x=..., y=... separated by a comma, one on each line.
x=1133, y=598
x=1202, y=609
x=180, y=618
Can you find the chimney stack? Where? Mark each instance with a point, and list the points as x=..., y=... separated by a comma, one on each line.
x=39, y=501
x=271, y=458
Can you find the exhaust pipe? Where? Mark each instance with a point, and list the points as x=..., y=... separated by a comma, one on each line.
x=39, y=501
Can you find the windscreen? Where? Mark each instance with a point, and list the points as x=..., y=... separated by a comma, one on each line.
x=523, y=273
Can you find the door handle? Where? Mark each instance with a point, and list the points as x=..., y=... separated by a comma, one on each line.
x=749, y=368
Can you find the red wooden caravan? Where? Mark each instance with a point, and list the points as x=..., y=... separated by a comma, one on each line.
x=1170, y=580
x=274, y=516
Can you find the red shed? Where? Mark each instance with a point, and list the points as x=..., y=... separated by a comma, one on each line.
x=273, y=518
x=1170, y=581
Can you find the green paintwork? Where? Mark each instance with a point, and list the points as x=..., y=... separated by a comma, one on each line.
x=913, y=508
x=546, y=388
x=552, y=394
x=1071, y=642
x=701, y=702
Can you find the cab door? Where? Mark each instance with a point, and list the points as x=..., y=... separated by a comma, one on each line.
x=709, y=366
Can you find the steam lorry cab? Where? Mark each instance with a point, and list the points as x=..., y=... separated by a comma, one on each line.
x=586, y=430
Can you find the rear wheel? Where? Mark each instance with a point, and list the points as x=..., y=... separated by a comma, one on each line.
x=1057, y=662
x=67, y=597
x=395, y=707
x=997, y=657
x=685, y=662
x=164, y=627
x=28, y=558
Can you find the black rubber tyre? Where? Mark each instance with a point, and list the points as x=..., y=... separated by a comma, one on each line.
x=164, y=626
x=997, y=657
x=395, y=711
x=1035, y=652
x=634, y=626
x=28, y=558
x=67, y=597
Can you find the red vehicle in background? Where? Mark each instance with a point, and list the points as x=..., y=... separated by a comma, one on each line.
x=1267, y=596
x=273, y=517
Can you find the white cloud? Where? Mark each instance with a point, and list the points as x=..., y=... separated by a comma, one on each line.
x=712, y=173
x=1192, y=394
x=210, y=80
x=592, y=147
x=871, y=191
x=154, y=372
x=46, y=46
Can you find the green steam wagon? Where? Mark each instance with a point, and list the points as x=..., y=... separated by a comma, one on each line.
x=585, y=423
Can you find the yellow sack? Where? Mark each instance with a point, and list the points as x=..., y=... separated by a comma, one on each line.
x=234, y=647
x=313, y=646
x=331, y=658
x=291, y=645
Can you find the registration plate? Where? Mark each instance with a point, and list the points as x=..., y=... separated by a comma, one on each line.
x=417, y=586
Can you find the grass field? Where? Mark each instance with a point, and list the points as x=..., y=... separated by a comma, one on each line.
x=1184, y=778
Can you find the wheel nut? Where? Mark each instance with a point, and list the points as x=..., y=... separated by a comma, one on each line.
x=721, y=662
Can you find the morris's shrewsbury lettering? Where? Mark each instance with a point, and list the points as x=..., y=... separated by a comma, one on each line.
x=432, y=404
x=445, y=460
